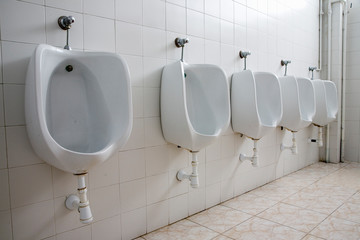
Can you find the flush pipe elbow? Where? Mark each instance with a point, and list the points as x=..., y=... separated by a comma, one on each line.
x=254, y=159
x=194, y=176
x=293, y=147
x=81, y=202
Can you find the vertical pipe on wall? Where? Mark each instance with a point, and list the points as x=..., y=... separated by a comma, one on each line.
x=343, y=81
x=327, y=146
x=321, y=13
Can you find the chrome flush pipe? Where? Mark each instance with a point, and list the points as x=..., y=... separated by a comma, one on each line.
x=244, y=55
x=180, y=43
x=285, y=63
x=64, y=23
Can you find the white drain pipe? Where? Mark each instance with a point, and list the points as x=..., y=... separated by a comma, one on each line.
x=254, y=159
x=293, y=147
x=319, y=140
x=194, y=176
x=80, y=203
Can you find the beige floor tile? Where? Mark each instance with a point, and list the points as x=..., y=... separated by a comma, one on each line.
x=310, y=237
x=295, y=217
x=260, y=229
x=289, y=181
x=184, y=229
x=250, y=203
x=348, y=211
x=275, y=192
x=334, y=228
x=220, y=218
x=313, y=172
x=221, y=237
x=349, y=177
x=355, y=198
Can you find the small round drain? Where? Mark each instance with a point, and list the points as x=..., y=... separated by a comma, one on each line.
x=69, y=68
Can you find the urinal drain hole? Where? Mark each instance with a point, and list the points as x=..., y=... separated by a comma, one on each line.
x=69, y=68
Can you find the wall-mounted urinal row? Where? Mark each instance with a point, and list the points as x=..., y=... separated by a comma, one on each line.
x=195, y=106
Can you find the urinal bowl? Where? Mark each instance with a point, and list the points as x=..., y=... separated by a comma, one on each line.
x=77, y=106
x=256, y=103
x=195, y=104
x=326, y=102
x=298, y=102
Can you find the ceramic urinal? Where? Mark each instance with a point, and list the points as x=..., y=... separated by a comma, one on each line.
x=256, y=103
x=195, y=104
x=326, y=102
x=77, y=106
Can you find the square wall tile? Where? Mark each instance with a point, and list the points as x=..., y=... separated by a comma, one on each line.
x=105, y=174
x=103, y=207
x=5, y=225
x=131, y=165
x=99, y=34
x=133, y=195
x=19, y=150
x=129, y=11
x=212, y=52
x=196, y=200
x=108, y=229
x=15, y=59
x=175, y=24
x=227, y=10
x=137, y=137
x=57, y=37
x=36, y=220
x=154, y=42
x=212, y=7
x=240, y=14
x=4, y=189
x=213, y=195
x=30, y=184
x=212, y=28
x=64, y=183
x=157, y=160
x=153, y=132
x=135, y=64
x=19, y=30
x=14, y=104
x=197, y=5
x=227, y=32
x=65, y=220
x=154, y=13
x=157, y=188
x=133, y=224
x=71, y=5
x=157, y=215
x=178, y=208
x=79, y=233
x=104, y=8
x=138, y=102
x=153, y=69
x=151, y=102
x=195, y=23
x=3, y=159
x=129, y=39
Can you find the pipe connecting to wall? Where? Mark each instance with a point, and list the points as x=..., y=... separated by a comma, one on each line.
x=342, y=147
x=254, y=159
x=319, y=140
x=293, y=147
x=194, y=176
x=81, y=203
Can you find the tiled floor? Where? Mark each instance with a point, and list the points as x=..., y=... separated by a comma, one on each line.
x=321, y=201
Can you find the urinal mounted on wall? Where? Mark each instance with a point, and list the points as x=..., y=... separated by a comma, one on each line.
x=195, y=107
x=256, y=106
x=298, y=106
x=78, y=111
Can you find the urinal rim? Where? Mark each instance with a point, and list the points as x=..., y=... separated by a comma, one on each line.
x=40, y=106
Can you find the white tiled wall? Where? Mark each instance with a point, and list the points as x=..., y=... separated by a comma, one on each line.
x=136, y=191
x=352, y=110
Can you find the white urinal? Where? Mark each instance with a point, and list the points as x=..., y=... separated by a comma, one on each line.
x=78, y=106
x=326, y=102
x=298, y=106
x=298, y=102
x=256, y=103
x=195, y=108
x=195, y=104
x=256, y=106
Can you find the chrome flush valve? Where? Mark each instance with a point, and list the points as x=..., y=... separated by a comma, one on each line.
x=180, y=43
x=65, y=22
x=285, y=63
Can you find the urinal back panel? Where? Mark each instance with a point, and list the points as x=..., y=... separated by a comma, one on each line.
x=331, y=99
x=320, y=117
x=307, y=99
